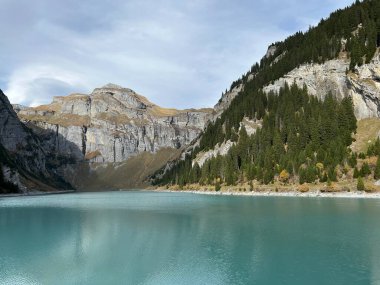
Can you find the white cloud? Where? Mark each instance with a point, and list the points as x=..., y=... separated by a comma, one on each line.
x=37, y=84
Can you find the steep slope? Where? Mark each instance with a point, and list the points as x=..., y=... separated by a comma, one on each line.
x=129, y=174
x=362, y=84
x=340, y=57
x=367, y=133
x=24, y=163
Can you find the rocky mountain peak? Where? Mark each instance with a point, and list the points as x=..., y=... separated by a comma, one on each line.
x=112, y=86
x=112, y=124
x=271, y=51
x=125, y=95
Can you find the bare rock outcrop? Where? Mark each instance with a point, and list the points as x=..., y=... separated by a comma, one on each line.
x=251, y=126
x=112, y=124
x=333, y=77
x=220, y=149
x=225, y=101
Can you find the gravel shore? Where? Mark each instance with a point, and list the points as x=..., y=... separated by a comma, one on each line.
x=353, y=194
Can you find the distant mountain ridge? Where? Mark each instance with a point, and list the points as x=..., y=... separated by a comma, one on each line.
x=107, y=128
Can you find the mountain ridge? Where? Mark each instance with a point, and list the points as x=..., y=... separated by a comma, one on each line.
x=349, y=38
x=107, y=128
x=340, y=57
x=119, y=113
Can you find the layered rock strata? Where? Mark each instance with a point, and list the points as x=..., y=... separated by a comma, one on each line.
x=112, y=124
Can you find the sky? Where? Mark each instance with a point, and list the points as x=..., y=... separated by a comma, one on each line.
x=179, y=54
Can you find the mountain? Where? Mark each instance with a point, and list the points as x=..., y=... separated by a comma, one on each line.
x=24, y=163
x=337, y=60
x=108, y=127
x=293, y=115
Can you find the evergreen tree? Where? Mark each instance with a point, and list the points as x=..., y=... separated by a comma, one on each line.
x=360, y=186
x=352, y=161
x=365, y=171
x=356, y=172
x=217, y=186
x=324, y=177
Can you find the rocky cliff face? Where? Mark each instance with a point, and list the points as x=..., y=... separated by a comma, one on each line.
x=23, y=160
x=111, y=124
x=251, y=126
x=363, y=85
x=225, y=101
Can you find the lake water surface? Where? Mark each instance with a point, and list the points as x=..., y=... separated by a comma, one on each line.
x=170, y=238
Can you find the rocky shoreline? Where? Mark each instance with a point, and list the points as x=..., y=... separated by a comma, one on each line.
x=310, y=194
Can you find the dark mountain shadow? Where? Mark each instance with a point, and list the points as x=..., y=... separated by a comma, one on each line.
x=30, y=157
x=64, y=157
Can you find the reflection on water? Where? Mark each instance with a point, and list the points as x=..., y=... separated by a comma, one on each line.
x=162, y=238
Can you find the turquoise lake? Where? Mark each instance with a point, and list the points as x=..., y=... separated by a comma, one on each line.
x=179, y=238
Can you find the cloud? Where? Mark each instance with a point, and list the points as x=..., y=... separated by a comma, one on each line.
x=36, y=85
x=177, y=53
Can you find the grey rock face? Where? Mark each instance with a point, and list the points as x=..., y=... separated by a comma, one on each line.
x=225, y=101
x=363, y=85
x=19, y=140
x=112, y=124
x=271, y=51
x=22, y=156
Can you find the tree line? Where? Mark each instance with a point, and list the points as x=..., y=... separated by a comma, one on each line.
x=302, y=139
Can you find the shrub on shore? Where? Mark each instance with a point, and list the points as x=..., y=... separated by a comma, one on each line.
x=303, y=188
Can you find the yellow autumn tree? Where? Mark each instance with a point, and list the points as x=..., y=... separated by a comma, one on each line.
x=284, y=176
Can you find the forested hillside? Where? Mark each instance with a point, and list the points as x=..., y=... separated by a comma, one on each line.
x=358, y=26
x=301, y=136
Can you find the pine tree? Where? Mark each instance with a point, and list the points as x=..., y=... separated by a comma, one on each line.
x=324, y=177
x=278, y=146
x=352, y=161
x=217, y=186
x=230, y=173
x=365, y=171
x=332, y=174
x=251, y=173
x=356, y=172
x=302, y=176
x=268, y=176
x=360, y=186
